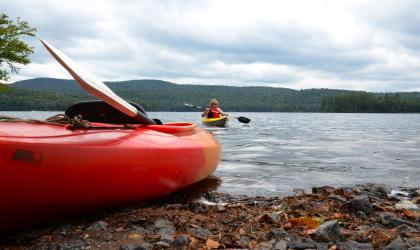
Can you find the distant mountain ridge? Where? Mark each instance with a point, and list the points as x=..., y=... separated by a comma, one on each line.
x=59, y=85
x=157, y=95
x=167, y=96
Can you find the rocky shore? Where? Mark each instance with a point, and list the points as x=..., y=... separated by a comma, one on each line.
x=358, y=217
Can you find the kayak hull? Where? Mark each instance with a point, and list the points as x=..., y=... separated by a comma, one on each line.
x=49, y=171
x=216, y=122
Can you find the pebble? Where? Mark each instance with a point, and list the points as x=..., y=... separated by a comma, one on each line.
x=369, y=219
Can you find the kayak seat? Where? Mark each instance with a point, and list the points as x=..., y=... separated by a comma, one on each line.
x=99, y=111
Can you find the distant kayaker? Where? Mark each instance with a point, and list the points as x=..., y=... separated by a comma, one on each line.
x=213, y=111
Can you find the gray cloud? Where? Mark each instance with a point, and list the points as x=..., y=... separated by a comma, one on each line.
x=364, y=45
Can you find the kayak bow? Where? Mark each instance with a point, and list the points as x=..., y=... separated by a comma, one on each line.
x=217, y=122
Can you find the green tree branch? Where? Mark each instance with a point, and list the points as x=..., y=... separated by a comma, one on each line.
x=13, y=51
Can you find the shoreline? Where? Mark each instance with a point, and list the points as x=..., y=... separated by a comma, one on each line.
x=367, y=216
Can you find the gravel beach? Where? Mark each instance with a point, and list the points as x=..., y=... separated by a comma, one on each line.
x=368, y=216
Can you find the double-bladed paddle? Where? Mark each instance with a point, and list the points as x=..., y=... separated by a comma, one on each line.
x=240, y=118
x=95, y=87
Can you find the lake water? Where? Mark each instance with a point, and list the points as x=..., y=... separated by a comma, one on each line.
x=279, y=152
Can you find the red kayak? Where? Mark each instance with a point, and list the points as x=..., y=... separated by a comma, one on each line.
x=48, y=171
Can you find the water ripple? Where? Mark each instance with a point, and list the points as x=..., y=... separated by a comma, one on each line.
x=278, y=152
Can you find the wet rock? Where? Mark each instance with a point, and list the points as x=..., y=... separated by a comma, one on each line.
x=296, y=242
x=97, y=226
x=166, y=234
x=361, y=203
x=259, y=203
x=197, y=207
x=406, y=204
x=412, y=192
x=276, y=233
x=397, y=244
x=399, y=194
x=140, y=229
x=322, y=246
x=218, y=198
x=389, y=220
x=139, y=246
x=377, y=190
x=404, y=229
x=181, y=241
x=274, y=217
x=161, y=223
x=245, y=240
x=323, y=190
x=264, y=246
x=280, y=245
x=73, y=244
x=200, y=233
x=298, y=191
x=138, y=221
x=353, y=245
x=362, y=215
x=382, y=191
x=337, y=198
x=259, y=235
x=413, y=242
x=328, y=231
x=403, y=193
x=361, y=233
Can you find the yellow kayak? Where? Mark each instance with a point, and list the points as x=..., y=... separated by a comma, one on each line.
x=217, y=122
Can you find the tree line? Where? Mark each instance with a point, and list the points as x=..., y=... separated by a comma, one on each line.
x=156, y=95
x=363, y=102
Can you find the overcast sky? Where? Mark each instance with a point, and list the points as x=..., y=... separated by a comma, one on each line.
x=371, y=45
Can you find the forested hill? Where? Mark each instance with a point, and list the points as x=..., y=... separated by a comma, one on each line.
x=62, y=85
x=156, y=95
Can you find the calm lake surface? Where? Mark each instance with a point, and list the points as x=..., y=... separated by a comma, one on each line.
x=278, y=152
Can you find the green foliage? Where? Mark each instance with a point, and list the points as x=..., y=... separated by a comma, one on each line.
x=363, y=102
x=154, y=95
x=3, y=88
x=12, y=49
x=21, y=99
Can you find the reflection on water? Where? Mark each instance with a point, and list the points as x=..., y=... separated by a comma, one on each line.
x=278, y=152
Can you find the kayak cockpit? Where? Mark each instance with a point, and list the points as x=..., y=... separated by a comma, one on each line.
x=101, y=112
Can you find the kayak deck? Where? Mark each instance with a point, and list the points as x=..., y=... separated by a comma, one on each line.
x=218, y=122
x=53, y=171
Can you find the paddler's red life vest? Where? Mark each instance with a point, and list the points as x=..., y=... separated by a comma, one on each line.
x=213, y=113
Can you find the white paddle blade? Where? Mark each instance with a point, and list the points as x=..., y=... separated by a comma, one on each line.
x=88, y=82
